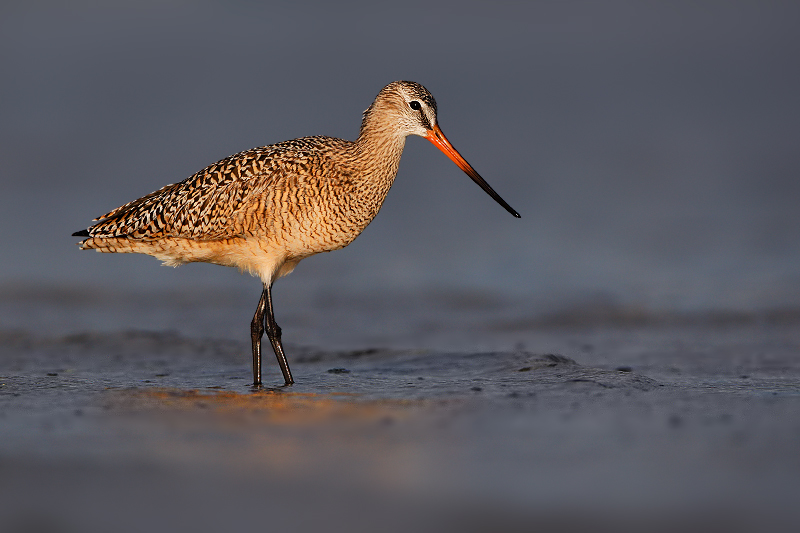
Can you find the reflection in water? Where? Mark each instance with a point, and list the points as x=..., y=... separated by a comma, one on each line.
x=266, y=406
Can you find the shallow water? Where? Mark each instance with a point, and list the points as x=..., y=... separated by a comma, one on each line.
x=630, y=423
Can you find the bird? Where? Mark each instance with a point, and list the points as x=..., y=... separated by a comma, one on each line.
x=266, y=209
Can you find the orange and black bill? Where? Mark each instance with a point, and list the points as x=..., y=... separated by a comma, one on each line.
x=440, y=141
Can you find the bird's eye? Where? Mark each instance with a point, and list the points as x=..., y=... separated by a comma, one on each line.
x=416, y=106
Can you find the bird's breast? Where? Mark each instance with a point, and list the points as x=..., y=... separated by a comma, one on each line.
x=324, y=214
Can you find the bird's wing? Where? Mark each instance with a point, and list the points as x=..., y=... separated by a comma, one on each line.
x=203, y=206
x=231, y=198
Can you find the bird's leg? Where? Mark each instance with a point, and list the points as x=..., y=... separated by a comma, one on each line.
x=256, y=332
x=274, y=334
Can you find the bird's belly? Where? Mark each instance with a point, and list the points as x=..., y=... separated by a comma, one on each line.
x=245, y=254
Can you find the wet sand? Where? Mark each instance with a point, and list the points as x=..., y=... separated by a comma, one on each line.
x=618, y=419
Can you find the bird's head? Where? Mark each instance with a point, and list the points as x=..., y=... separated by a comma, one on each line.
x=407, y=108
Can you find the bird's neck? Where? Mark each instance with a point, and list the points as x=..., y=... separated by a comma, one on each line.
x=377, y=151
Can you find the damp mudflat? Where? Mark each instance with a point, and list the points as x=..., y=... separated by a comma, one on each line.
x=570, y=419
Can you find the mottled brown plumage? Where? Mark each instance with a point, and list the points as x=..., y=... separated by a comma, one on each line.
x=265, y=209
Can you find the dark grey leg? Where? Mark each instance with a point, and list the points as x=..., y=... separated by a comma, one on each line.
x=274, y=334
x=256, y=332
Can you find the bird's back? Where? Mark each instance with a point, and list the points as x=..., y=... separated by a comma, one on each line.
x=265, y=193
x=209, y=204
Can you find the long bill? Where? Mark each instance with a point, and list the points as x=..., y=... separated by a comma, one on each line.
x=440, y=141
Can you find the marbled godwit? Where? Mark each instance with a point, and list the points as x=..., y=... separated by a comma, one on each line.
x=265, y=209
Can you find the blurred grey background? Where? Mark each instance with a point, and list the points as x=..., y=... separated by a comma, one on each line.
x=652, y=148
